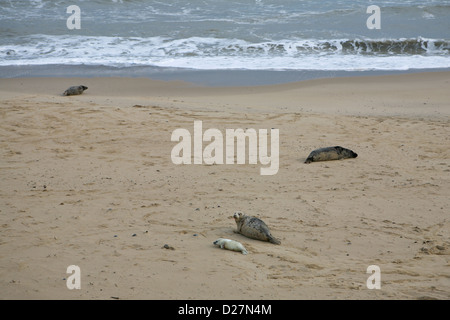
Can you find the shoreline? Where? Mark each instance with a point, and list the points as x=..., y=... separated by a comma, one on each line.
x=88, y=180
x=410, y=95
x=210, y=78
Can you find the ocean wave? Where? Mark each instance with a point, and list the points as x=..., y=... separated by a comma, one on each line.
x=347, y=46
x=218, y=53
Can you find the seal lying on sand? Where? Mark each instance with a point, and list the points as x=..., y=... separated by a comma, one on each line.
x=74, y=90
x=253, y=228
x=230, y=245
x=330, y=153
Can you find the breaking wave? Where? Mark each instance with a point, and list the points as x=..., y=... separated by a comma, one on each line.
x=216, y=53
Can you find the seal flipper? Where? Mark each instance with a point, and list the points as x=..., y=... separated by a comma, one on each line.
x=274, y=240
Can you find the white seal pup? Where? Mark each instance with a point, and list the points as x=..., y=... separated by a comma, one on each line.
x=254, y=228
x=75, y=90
x=230, y=245
x=330, y=153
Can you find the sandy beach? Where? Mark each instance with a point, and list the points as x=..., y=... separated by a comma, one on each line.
x=88, y=180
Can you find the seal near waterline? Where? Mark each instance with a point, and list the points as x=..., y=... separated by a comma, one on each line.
x=75, y=90
x=230, y=245
x=330, y=153
x=253, y=227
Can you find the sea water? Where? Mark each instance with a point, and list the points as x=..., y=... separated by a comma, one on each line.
x=256, y=35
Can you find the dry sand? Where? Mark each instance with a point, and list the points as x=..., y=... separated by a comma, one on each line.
x=88, y=180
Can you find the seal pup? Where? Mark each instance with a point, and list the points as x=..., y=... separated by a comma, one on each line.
x=74, y=90
x=230, y=245
x=330, y=153
x=253, y=227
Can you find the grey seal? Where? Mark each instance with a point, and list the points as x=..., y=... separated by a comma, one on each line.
x=75, y=90
x=254, y=228
x=230, y=245
x=330, y=153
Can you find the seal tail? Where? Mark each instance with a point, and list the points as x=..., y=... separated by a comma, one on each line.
x=274, y=240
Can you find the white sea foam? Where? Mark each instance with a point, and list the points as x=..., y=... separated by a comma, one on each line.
x=205, y=53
